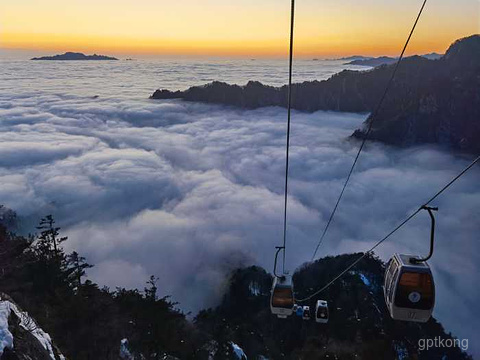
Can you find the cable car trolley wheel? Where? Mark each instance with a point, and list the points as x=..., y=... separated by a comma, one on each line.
x=409, y=289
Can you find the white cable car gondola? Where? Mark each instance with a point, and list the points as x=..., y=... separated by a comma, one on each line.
x=409, y=289
x=306, y=313
x=282, y=299
x=321, y=312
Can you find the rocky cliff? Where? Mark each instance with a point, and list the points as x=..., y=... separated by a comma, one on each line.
x=438, y=104
x=430, y=101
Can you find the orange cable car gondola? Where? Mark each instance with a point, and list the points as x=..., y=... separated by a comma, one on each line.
x=409, y=289
x=282, y=299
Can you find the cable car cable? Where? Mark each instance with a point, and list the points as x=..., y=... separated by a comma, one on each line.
x=370, y=125
x=289, y=111
x=393, y=231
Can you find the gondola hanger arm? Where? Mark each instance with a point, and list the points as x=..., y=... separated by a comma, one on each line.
x=279, y=248
x=430, y=210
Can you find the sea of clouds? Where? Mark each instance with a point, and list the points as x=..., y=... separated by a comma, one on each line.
x=188, y=192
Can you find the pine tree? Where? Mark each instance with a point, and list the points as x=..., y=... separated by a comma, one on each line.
x=48, y=240
x=76, y=266
x=50, y=268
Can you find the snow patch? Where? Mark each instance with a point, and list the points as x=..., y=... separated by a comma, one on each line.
x=238, y=351
x=362, y=277
x=254, y=289
x=401, y=350
x=211, y=347
x=6, y=337
x=29, y=324
x=124, y=351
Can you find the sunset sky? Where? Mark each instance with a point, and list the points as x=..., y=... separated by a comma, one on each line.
x=243, y=28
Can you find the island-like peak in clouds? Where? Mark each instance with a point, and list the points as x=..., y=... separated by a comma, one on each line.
x=75, y=56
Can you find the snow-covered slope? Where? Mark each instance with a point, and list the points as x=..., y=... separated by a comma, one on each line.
x=6, y=337
x=21, y=337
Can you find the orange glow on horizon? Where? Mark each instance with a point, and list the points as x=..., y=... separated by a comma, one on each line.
x=241, y=29
x=262, y=48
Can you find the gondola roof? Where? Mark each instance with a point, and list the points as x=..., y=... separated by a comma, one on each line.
x=405, y=261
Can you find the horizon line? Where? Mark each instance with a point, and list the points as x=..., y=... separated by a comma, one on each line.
x=262, y=50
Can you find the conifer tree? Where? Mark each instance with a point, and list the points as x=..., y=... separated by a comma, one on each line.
x=76, y=266
x=49, y=240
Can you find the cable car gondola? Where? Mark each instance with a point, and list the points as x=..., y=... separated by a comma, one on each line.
x=306, y=313
x=321, y=312
x=282, y=299
x=409, y=289
x=298, y=310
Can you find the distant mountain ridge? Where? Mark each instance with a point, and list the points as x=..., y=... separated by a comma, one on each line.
x=429, y=101
x=354, y=57
x=432, y=56
x=384, y=60
x=75, y=56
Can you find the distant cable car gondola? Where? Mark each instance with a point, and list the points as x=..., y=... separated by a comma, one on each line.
x=321, y=312
x=282, y=299
x=306, y=313
x=409, y=289
x=299, y=311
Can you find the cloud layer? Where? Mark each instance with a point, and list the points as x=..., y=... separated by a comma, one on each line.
x=188, y=192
